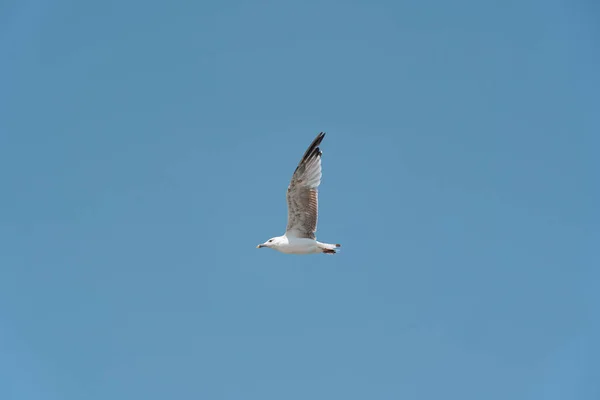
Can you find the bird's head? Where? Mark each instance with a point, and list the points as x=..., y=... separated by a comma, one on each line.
x=273, y=242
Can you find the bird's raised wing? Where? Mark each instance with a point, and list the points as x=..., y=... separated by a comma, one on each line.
x=302, y=194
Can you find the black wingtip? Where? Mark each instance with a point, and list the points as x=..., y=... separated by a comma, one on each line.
x=317, y=141
x=320, y=137
x=314, y=147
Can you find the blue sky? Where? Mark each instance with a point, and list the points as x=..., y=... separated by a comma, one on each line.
x=145, y=149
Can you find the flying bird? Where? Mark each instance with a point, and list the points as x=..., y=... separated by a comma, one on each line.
x=303, y=209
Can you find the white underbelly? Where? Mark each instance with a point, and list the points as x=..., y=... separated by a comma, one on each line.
x=300, y=246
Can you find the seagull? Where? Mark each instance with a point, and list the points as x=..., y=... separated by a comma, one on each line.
x=302, y=199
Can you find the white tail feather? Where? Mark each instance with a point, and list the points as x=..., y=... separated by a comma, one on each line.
x=329, y=248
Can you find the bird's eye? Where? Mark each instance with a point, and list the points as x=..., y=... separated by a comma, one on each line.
x=270, y=240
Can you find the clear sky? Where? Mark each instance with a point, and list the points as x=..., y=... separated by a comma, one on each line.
x=145, y=150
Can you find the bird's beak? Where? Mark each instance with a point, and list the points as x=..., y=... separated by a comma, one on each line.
x=260, y=245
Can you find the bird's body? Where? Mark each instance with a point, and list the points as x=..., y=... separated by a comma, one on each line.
x=294, y=245
x=302, y=199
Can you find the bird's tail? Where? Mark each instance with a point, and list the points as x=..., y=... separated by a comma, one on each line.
x=327, y=248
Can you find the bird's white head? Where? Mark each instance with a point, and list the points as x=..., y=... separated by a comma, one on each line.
x=273, y=242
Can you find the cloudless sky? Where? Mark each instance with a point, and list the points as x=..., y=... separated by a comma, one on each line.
x=145, y=150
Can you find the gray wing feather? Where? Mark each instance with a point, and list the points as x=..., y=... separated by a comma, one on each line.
x=302, y=194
